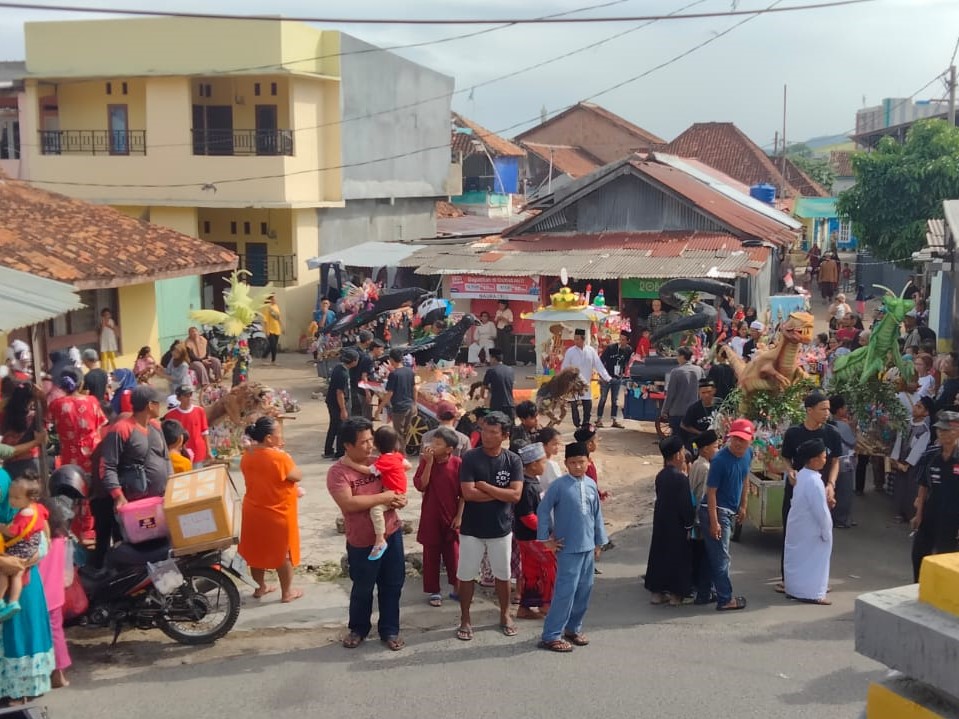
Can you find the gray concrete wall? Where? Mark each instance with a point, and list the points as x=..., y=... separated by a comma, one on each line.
x=375, y=220
x=379, y=80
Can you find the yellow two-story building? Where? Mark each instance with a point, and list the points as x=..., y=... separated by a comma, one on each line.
x=270, y=138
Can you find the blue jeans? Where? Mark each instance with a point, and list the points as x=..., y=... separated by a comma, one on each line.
x=608, y=389
x=387, y=574
x=717, y=552
x=574, y=584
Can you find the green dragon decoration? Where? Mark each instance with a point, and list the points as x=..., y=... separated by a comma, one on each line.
x=883, y=348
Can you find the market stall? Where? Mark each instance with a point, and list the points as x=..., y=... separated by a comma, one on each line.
x=476, y=294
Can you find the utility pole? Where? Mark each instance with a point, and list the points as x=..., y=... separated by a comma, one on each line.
x=776, y=143
x=782, y=190
x=952, y=96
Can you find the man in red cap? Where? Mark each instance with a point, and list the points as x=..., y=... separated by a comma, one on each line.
x=725, y=505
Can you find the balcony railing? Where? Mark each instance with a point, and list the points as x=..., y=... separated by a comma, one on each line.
x=242, y=142
x=93, y=142
x=277, y=269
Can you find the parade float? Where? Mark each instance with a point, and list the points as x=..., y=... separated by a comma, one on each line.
x=553, y=330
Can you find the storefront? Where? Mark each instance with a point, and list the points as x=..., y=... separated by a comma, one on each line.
x=482, y=293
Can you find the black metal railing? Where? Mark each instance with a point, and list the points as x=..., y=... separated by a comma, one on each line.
x=277, y=269
x=93, y=142
x=242, y=142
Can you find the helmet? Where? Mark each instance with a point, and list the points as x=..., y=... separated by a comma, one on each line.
x=69, y=481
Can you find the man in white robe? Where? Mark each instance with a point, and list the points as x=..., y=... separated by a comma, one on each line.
x=809, y=529
x=586, y=359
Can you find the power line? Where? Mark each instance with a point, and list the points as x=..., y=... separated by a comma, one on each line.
x=410, y=153
x=955, y=51
x=470, y=89
x=422, y=21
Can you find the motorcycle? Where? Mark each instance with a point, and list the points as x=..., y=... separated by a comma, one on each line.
x=191, y=598
x=219, y=342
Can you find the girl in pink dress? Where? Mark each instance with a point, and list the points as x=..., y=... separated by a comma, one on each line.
x=55, y=579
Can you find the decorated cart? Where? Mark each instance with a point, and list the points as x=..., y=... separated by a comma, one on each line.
x=433, y=385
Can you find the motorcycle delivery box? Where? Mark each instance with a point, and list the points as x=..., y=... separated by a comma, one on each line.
x=201, y=507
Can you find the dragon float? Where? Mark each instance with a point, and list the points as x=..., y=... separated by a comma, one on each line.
x=882, y=351
x=443, y=346
x=683, y=295
x=556, y=394
x=778, y=367
x=368, y=304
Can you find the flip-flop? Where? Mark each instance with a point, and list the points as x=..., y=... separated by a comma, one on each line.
x=464, y=633
x=260, y=593
x=352, y=640
x=293, y=596
x=780, y=587
x=557, y=645
x=454, y=596
x=740, y=604
x=377, y=553
x=394, y=643
x=823, y=602
x=509, y=630
x=578, y=638
x=436, y=600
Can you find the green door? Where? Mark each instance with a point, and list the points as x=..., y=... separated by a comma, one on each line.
x=175, y=299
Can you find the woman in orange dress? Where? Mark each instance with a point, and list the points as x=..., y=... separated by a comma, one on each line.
x=270, y=535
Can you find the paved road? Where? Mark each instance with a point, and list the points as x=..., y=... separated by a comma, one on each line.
x=776, y=659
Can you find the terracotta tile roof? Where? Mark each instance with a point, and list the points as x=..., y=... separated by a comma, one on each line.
x=573, y=161
x=804, y=184
x=94, y=246
x=603, y=134
x=463, y=142
x=724, y=146
x=841, y=163
x=624, y=124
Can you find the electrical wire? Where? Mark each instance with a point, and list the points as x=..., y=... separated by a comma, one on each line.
x=421, y=21
x=409, y=153
x=470, y=89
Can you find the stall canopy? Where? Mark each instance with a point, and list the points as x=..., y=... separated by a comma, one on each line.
x=27, y=300
x=367, y=254
x=816, y=208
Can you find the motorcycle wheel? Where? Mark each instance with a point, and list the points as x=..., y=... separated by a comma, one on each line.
x=259, y=347
x=203, y=610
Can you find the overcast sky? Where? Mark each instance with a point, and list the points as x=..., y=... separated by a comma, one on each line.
x=831, y=59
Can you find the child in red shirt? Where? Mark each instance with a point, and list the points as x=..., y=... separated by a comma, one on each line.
x=21, y=538
x=193, y=419
x=392, y=466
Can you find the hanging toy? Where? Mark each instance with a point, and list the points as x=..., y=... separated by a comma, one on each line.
x=600, y=300
x=589, y=292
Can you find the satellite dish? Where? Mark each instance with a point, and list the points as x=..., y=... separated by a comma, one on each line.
x=564, y=277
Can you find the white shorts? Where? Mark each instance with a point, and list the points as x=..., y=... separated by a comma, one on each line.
x=498, y=550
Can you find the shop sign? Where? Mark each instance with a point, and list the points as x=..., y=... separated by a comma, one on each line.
x=483, y=287
x=640, y=288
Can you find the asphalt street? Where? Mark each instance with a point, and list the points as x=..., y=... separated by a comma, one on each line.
x=775, y=659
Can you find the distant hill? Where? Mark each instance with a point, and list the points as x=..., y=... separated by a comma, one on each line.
x=818, y=143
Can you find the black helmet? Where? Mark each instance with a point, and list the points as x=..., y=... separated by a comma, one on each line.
x=69, y=481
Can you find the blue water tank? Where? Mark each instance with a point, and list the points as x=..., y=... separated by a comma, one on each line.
x=764, y=193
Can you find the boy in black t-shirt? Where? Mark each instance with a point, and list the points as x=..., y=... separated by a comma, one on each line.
x=538, y=563
x=338, y=401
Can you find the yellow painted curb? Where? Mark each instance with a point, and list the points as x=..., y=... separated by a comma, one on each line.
x=939, y=582
x=883, y=703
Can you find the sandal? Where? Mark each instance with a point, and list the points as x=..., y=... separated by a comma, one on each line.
x=509, y=630
x=780, y=587
x=658, y=599
x=823, y=602
x=436, y=600
x=464, y=633
x=739, y=603
x=377, y=552
x=394, y=643
x=352, y=640
x=577, y=638
x=557, y=645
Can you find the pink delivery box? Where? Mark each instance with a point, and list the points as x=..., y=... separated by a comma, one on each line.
x=142, y=520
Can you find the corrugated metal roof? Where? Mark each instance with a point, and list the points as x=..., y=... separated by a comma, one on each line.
x=27, y=300
x=653, y=260
x=367, y=254
x=936, y=233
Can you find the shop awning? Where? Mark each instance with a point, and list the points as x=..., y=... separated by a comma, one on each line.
x=816, y=208
x=26, y=299
x=367, y=254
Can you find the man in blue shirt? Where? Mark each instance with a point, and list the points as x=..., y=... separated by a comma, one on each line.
x=726, y=491
x=572, y=506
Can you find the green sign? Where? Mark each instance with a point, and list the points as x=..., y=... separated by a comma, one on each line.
x=640, y=288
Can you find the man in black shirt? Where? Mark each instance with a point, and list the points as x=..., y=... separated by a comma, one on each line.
x=491, y=481
x=813, y=427
x=950, y=387
x=338, y=401
x=400, y=395
x=614, y=358
x=498, y=382
x=697, y=418
x=937, y=507
x=360, y=373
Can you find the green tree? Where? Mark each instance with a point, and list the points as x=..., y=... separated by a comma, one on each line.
x=818, y=168
x=901, y=186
